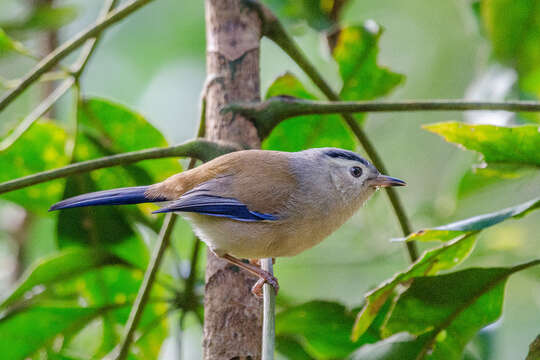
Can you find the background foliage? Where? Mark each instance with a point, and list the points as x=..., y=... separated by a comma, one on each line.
x=68, y=280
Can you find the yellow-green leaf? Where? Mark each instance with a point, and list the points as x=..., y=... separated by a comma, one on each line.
x=430, y=263
x=473, y=224
x=356, y=54
x=519, y=145
x=42, y=147
x=450, y=309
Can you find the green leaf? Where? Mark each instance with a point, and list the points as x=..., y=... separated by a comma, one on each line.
x=519, y=145
x=59, y=267
x=7, y=44
x=100, y=228
x=445, y=311
x=513, y=26
x=24, y=332
x=356, y=55
x=41, y=148
x=318, y=14
x=291, y=349
x=44, y=17
x=474, y=224
x=478, y=178
x=431, y=302
x=57, y=356
x=107, y=128
x=115, y=284
x=402, y=346
x=431, y=262
x=324, y=328
x=450, y=308
x=309, y=131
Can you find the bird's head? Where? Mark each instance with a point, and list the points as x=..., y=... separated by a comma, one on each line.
x=346, y=172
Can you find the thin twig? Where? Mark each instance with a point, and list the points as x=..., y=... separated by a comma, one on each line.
x=91, y=44
x=37, y=113
x=166, y=230
x=190, y=280
x=269, y=315
x=270, y=113
x=50, y=100
x=68, y=47
x=275, y=31
x=201, y=149
x=155, y=322
x=144, y=291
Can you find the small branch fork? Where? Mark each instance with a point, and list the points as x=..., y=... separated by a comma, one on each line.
x=68, y=47
x=74, y=74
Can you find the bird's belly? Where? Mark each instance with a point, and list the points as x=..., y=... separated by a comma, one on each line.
x=255, y=240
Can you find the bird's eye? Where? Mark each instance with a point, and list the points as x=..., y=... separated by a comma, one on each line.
x=356, y=171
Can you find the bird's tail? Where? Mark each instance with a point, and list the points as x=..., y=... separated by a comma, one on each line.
x=121, y=196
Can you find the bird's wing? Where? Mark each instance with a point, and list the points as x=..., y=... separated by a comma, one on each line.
x=201, y=200
x=244, y=185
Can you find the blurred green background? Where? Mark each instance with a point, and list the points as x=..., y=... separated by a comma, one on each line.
x=157, y=67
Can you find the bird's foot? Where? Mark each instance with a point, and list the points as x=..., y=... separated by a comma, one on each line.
x=264, y=276
x=257, y=262
x=267, y=278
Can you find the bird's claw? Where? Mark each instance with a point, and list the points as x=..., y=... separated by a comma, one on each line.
x=257, y=289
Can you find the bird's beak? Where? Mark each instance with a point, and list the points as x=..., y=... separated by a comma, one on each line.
x=386, y=181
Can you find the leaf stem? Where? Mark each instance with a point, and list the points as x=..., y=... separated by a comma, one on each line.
x=68, y=47
x=274, y=30
x=199, y=148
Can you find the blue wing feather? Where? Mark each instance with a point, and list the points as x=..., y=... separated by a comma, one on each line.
x=122, y=196
x=199, y=202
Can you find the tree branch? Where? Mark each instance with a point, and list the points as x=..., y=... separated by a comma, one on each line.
x=68, y=47
x=91, y=44
x=38, y=112
x=269, y=315
x=55, y=95
x=271, y=112
x=275, y=31
x=144, y=291
x=201, y=149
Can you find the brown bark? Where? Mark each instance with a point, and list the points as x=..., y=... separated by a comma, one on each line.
x=233, y=316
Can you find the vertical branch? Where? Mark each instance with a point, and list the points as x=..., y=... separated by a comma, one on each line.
x=269, y=315
x=144, y=291
x=232, y=317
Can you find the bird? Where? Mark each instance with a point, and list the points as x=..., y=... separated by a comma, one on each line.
x=255, y=204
